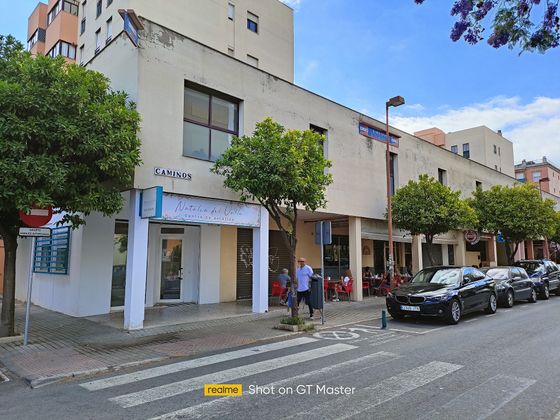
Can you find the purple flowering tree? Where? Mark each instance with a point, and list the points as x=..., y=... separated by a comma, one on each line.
x=532, y=25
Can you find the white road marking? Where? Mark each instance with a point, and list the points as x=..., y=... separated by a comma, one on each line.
x=483, y=400
x=191, y=364
x=336, y=335
x=225, y=376
x=352, y=405
x=220, y=407
x=3, y=378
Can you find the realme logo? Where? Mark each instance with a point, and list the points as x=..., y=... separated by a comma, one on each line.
x=223, y=390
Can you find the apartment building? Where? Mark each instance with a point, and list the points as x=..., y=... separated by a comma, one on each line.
x=480, y=144
x=542, y=172
x=53, y=29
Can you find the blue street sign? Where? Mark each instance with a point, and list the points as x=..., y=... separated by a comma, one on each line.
x=327, y=233
x=500, y=239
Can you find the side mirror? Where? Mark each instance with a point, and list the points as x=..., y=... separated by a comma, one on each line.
x=466, y=280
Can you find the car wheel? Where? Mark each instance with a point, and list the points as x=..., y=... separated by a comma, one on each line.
x=533, y=297
x=396, y=315
x=509, y=299
x=545, y=295
x=453, y=314
x=492, y=304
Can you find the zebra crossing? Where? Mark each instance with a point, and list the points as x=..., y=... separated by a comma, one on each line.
x=309, y=364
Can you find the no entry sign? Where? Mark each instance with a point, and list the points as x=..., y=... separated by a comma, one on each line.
x=36, y=217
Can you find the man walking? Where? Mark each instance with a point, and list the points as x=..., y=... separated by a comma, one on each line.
x=303, y=275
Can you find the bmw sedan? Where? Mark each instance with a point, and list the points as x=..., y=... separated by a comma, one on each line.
x=512, y=283
x=447, y=292
x=544, y=273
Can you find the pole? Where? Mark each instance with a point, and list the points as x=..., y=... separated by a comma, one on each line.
x=389, y=209
x=546, y=251
x=322, y=278
x=29, y=286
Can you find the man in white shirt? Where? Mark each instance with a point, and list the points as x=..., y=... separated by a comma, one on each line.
x=303, y=275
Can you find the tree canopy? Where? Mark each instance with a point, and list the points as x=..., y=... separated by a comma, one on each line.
x=518, y=213
x=532, y=25
x=66, y=140
x=281, y=169
x=427, y=207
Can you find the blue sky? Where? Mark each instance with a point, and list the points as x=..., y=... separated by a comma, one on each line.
x=361, y=52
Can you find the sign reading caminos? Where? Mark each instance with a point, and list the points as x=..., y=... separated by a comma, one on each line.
x=472, y=237
x=173, y=173
x=202, y=210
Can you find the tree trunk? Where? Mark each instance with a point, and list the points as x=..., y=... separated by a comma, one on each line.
x=510, y=253
x=293, y=269
x=429, y=241
x=9, y=293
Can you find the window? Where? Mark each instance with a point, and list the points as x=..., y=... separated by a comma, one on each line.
x=393, y=168
x=495, y=150
x=97, y=40
x=38, y=36
x=252, y=22
x=109, y=2
x=66, y=5
x=51, y=254
x=442, y=176
x=478, y=185
x=466, y=151
x=520, y=177
x=455, y=149
x=70, y=7
x=82, y=54
x=109, y=29
x=63, y=48
x=83, y=24
x=496, y=167
x=120, y=246
x=323, y=132
x=210, y=122
x=499, y=151
x=54, y=11
x=231, y=11
x=253, y=61
x=536, y=176
x=99, y=8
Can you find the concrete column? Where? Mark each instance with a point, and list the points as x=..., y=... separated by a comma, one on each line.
x=445, y=254
x=417, y=263
x=492, y=252
x=260, y=264
x=355, y=242
x=530, y=250
x=461, y=250
x=136, y=266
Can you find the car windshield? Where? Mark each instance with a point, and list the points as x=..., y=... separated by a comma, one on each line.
x=498, y=273
x=438, y=276
x=532, y=267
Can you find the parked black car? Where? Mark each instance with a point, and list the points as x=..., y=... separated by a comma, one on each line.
x=447, y=292
x=544, y=273
x=512, y=283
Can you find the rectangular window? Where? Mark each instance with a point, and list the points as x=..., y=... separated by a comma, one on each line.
x=495, y=149
x=51, y=254
x=520, y=177
x=442, y=176
x=63, y=48
x=82, y=54
x=455, y=149
x=323, y=132
x=99, y=8
x=499, y=151
x=478, y=185
x=536, y=176
x=210, y=122
x=97, y=40
x=393, y=170
x=253, y=61
x=83, y=26
x=54, y=11
x=109, y=29
x=120, y=246
x=466, y=151
x=252, y=22
x=70, y=7
x=231, y=11
x=38, y=36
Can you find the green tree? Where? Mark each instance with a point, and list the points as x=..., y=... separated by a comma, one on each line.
x=66, y=141
x=529, y=24
x=427, y=207
x=518, y=213
x=283, y=170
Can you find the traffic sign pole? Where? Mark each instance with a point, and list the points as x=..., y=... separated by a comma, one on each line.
x=322, y=278
x=29, y=287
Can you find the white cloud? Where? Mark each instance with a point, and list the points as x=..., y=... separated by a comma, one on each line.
x=292, y=3
x=533, y=127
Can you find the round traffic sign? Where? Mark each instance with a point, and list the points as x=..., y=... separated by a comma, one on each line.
x=472, y=237
x=36, y=217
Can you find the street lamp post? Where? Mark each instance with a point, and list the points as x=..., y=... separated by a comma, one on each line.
x=396, y=101
x=546, y=252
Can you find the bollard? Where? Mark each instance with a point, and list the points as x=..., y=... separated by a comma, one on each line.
x=383, y=319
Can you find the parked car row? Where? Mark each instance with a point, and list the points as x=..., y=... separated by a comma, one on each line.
x=449, y=292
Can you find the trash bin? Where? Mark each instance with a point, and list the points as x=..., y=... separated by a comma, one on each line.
x=317, y=295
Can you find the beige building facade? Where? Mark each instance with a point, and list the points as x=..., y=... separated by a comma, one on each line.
x=543, y=173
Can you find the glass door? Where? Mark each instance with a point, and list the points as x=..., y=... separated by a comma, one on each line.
x=171, y=268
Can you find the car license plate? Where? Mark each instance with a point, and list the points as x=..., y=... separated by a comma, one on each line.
x=410, y=308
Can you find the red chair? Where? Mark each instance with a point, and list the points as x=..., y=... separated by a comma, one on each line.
x=326, y=289
x=347, y=290
x=365, y=286
x=278, y=290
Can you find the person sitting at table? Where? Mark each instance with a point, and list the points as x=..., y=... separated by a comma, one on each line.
x=367, y=273
x=343, y=282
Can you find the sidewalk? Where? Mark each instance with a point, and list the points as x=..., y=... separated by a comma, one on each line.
x=61, y=346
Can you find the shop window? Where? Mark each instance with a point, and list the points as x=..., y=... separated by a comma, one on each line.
x=210, y=122
x=120, y=245
x=337, y=256
x=51, y=254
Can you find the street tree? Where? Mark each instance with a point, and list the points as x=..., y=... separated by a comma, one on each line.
x=532, y=25
x=283, y=170
x=427, y=207
x=66, y=140
x=518, y=213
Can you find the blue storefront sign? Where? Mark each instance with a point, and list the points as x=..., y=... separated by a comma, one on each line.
x=377, y=134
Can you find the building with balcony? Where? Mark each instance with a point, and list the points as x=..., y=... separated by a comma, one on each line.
x=542, y=172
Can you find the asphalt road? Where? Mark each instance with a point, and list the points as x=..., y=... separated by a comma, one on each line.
x=502, y=366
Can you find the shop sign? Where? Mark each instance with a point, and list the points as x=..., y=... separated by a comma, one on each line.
x=377, y=134
x=173, y=173
x=472, y=237
x=150, y=202
x=216, y=212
